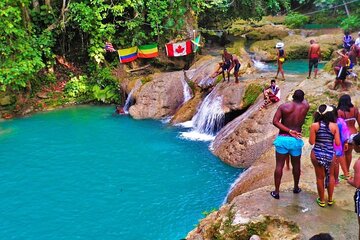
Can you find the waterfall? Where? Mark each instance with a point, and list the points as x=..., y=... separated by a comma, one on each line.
x=129, y=100
x=208, y=120
x=187, y=92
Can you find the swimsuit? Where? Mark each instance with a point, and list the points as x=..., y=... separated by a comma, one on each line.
x=281, y=55
x=357, y=201
x=226, y=65
x=314, y=60
x=237, y=67
x=288, y=145
x=324, y=149
x=342, y=74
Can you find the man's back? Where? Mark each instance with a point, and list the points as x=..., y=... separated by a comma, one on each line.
x=314, y=50
x=293, y=114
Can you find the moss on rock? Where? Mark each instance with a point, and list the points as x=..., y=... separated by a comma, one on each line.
x=252, y=92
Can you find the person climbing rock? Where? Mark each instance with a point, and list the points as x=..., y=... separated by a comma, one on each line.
x=228, y=64
x=289, y=119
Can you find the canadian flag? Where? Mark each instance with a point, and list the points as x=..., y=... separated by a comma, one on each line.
x=178, y=49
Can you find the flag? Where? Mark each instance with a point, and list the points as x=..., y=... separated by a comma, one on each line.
x=128, y=54
x=148, y=51
x=178, y=49
x=109, y=47
x=196, y=43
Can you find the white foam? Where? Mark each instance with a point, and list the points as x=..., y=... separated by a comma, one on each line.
x=196, y=136
x=187, y=124
x=166, y=120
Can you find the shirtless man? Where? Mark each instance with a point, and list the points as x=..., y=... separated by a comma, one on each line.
x=228, y=64
x=289, y=119
x=237, y=65
x=341, y=75
x=314, y=55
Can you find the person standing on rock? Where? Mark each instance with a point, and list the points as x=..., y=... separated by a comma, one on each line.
x=341, y=75
x=324, y=132
x=228, y=64
x=314, y=55
x=289, y=118
x=280, y=59
x=237, y=66
x=351, y=116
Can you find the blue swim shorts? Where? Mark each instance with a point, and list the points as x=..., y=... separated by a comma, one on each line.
x=288, y=145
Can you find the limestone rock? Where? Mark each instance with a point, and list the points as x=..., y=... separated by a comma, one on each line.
x=296, y=46
x=159, y=97
x=248, y=136
x=188, y=110
x=268, y=32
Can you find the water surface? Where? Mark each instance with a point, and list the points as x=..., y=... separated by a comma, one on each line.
x=82, y=173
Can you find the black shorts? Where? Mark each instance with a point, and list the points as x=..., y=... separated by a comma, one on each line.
x=313, y=63
x=237, y=68
x=357, y=201
x=342, y=74
x=226, y=65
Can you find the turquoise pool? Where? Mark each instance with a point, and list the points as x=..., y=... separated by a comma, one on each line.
x=83, y=173
x=296, y=66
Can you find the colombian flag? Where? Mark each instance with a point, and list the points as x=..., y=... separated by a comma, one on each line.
x=148, y=51
x=128, y=54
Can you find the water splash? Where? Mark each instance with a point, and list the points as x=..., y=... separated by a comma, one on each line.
x=130, y=100
x=208, y=120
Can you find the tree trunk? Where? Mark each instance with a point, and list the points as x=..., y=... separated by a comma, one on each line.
x=48, y=4
x=346, y=8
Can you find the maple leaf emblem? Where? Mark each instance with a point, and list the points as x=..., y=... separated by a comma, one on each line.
x=179, y=49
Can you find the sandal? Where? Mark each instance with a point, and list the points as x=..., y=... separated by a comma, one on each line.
x=275, y=195
x=297, y=190
x=320, y=203
x=330, y=203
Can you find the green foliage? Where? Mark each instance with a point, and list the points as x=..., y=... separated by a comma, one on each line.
x=21, y=55
x=251, y=94
x=77, y=87
x=296, y=20
x=351, y=23
x=106, y=95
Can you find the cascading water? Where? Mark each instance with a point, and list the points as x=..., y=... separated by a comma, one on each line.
x=208, y=120
x=129, y=100
x=186, y=90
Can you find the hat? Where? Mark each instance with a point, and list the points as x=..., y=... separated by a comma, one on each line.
x=279, y=45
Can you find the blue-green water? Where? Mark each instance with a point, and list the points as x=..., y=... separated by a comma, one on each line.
x=296, y=66
x=82, y=173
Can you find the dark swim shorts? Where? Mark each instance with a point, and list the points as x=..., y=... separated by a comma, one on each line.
x=342, y=74
x=237, y=67
x=226, y=65
x=313, y=63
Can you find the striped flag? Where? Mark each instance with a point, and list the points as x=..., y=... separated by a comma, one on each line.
x=148, y=51
x=109, y=47
x=128, y=54
x=196, y=43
